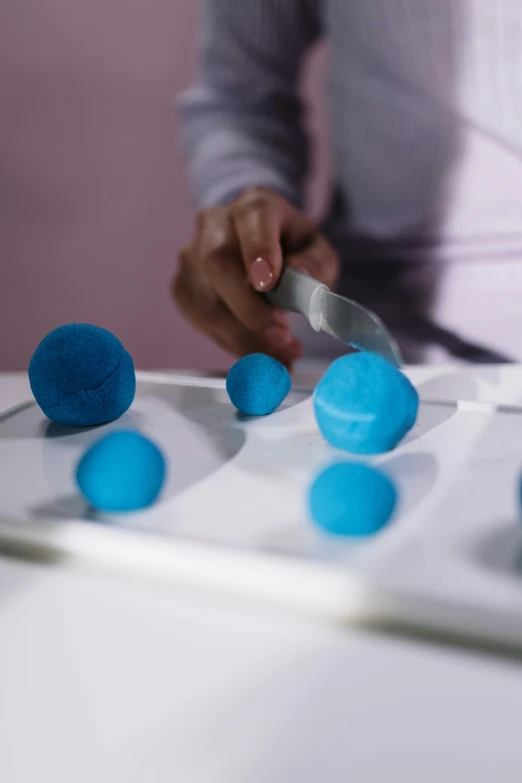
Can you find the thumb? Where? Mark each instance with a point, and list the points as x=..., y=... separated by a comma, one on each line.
x=258, y=229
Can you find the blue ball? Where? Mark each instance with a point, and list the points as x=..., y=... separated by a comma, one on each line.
x=364, y=405
x=258, y=384
x=352, y=499
x=81, y=376
x=124, y=471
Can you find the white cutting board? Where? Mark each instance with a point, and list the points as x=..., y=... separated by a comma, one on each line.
x=233, y=513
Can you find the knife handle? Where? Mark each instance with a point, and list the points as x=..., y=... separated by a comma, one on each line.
x=299, y=293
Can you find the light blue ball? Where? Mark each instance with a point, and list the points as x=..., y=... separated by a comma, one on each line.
x=364, y=405
x=352, y=499
x=124, y=471
x=258, y=384
x=81, y=376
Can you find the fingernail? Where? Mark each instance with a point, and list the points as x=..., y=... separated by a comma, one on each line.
x=278, y=337
x=261, y=274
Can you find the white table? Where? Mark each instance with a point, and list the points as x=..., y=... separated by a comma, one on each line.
x=114, y=681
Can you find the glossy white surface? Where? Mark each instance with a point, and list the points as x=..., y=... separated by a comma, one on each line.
x=110, y=680
x=233, y=514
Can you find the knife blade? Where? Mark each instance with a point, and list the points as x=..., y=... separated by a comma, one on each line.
x=339, y=317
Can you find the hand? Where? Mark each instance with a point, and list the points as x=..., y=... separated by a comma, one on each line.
x=238, y=251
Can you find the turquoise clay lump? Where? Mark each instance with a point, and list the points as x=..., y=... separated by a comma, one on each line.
x=258, y=384
x=122, y=472
x=352, y=499
x=82, y=376
x=364, y=405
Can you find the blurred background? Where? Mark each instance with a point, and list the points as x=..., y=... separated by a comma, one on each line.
x=94, y=202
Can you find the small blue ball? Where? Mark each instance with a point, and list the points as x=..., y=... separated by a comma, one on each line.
x=124, y=471
x=82, y=376
x=352, y=499
x=364, y=405
x=258, y=384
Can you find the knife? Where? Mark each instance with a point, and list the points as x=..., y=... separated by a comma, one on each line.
x=343, y=319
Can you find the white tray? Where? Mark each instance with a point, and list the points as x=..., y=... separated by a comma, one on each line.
x=233, y=513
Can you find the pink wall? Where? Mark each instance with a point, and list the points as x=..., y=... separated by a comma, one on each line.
x=93, y=199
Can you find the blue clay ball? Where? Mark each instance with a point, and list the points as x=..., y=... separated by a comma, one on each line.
x=364, y=405
x=124, y=471
x=258, y=384
x=352, y=499
x=82, y=376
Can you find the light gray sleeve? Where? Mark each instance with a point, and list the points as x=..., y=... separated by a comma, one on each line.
x=242, y=121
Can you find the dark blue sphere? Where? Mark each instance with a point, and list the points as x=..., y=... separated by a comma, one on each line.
x=364, y=405
x=352, y=499
x=258, y=384
x=81, y=376
x=124, y=471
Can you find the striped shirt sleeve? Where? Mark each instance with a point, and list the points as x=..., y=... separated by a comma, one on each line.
x=242, y=121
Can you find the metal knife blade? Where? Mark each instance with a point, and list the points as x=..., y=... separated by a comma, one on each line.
x=341, y=318
x=355, y=325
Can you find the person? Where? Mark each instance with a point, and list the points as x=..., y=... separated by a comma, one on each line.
x=425, y=219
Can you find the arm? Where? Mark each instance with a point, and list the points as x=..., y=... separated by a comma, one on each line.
x=247, y=157
x=242, y=124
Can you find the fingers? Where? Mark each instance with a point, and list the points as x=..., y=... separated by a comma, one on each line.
x=257, y=220
x=265, y=225
x=249, y=308
x=218, y=264
x=236, y=253
x=211, y=316
x=239, y=341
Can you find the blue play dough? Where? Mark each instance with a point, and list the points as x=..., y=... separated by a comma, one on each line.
x=364, y=405
x=124, y=471
x=81, y=376
x=258, y=384
x=352, y=499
